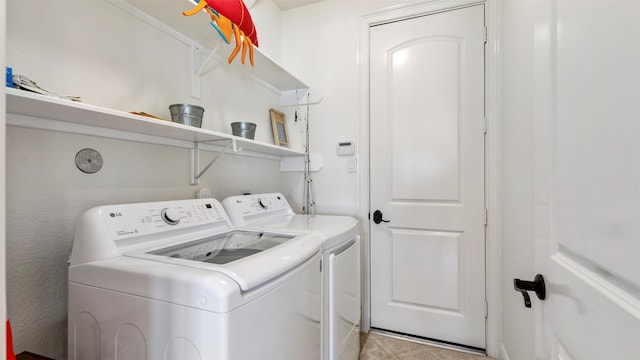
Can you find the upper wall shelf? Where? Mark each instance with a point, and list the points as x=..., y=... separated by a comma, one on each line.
x=167, y=16
x=49, y=113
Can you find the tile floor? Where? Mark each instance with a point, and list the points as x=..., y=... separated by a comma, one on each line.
x=377, y=346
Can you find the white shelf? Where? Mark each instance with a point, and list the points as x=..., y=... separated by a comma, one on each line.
x=26, y=109
x=167, y=16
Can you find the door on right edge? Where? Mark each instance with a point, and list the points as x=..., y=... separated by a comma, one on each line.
x=587, y=179
x=427, y=176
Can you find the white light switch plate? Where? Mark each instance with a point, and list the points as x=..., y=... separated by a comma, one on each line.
x=352, y=165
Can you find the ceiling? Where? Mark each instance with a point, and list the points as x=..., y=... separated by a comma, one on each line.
x=167, y=12
x=290, y=4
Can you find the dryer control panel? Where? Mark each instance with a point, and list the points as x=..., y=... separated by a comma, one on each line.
x=245, y=209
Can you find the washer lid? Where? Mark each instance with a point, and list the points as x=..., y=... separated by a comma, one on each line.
x=272, y=212
x=334, y=228
x=250, y=258
x=224, y=248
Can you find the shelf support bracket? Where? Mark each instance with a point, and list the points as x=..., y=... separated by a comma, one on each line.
x=206, y=62
x=301, y=97
x=197, y=67
x=194, y=57
x=196, y=174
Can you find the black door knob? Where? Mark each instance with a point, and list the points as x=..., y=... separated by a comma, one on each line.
x=536, y=285
x=377, y=217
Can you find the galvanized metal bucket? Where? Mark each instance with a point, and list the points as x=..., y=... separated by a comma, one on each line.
x=187, y=114
x=244, y=129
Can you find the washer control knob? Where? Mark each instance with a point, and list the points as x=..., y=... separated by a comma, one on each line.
x=170, y=216
x=264, y=203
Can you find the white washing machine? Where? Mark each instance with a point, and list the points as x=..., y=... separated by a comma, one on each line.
x=340, y=263
x=174, y=280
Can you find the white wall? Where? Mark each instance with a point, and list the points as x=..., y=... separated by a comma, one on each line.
x=321, y=45
x=516, y=129
x=111, y=59
x=268, y=18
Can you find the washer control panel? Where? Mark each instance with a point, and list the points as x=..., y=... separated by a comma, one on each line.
x=170, y=215
x=132, y=220
x=244, y=208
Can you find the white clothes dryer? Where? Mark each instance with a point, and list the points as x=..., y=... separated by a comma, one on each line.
x=340, y=263
x=175, y=280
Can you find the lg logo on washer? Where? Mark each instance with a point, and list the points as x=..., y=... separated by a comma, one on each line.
x=115, y=214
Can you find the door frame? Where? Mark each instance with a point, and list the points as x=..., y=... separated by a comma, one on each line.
x=3, y=127
x=492, y=234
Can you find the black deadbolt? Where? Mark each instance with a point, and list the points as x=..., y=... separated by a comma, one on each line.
x=536, y=285
x=377, y=217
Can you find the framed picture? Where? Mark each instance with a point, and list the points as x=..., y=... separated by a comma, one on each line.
x=279, y=126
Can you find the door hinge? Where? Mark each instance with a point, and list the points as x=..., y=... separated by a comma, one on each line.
x=485, y=34
x=486, y=309
x=486, y=217
x=485, y=125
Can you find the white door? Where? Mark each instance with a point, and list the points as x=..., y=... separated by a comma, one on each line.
x=587, y=184
x=427, y=176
